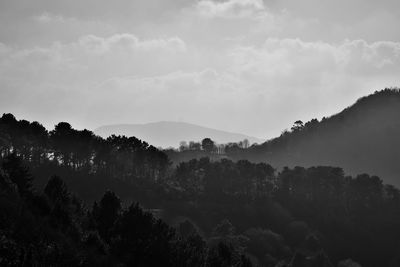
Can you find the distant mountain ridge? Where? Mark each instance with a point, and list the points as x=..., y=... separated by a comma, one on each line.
x=168, y=133
x=363, y=138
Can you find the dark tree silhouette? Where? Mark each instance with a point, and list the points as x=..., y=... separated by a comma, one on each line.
x=208, y=145
x=56, y=190
x=18, y=173
x=106, y=214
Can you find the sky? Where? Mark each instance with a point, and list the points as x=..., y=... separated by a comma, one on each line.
x=248, y=66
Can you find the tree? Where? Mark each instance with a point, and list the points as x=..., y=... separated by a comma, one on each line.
x=18, y=173
x=224, y=229
x=232, y=148
x=194, y=146
x=39, y=137
x=190, y=251
x=141, y=240
x=262, y=241
x=297, y=126
x=220, y=149
x=84, y=147
x=221, y=255
x=56, y=190
x=208, y=145
x=106, y=214
x=186, y=229
x=62, y=139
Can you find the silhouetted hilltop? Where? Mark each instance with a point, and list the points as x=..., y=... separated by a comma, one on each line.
x=169, y=134
x=364, y=137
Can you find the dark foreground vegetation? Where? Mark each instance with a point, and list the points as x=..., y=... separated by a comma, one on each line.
x=54, y=228
x=70, y=198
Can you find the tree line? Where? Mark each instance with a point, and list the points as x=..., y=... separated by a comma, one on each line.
x=117, y=156
x=210, y=146
x=214, y=212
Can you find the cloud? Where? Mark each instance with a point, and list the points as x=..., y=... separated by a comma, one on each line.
x=230, y=8
x=243, y=22
x=51, y=18
x=291, y=58
x=47, y=18
x=65, y=73
x=290, y=77
x=372, y=58
x=232, y=64
x=91, y=58
x=316, y=78
x=123, y=78
x=130, y=42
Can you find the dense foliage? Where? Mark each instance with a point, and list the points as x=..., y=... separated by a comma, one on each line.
x=201, y=212
x=54, y=228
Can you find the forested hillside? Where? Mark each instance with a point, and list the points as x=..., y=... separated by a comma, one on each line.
x=361, y=138
x=69, y=198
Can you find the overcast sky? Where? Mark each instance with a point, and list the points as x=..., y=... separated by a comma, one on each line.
x=248, y=66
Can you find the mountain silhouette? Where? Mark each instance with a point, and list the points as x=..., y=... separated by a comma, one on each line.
x=169, y=134
x=363, y=138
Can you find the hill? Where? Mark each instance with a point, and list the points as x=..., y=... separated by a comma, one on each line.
x=223, y=213
x=169, y=134
x=364, y=137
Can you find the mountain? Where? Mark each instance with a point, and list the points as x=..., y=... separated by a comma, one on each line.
x=169, y=134
x=363, y=138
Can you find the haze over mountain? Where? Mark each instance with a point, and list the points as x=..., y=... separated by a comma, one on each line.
x=363, y=138
x=240, y=65
x=170, y=134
